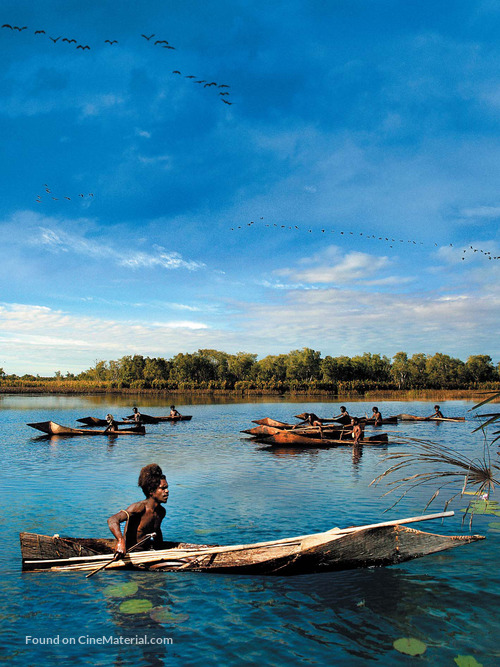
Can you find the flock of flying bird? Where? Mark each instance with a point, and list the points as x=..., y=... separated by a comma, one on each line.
x=486, y=254
x=159, y=43
x=49, y=192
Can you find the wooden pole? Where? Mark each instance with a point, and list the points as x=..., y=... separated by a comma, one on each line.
x=118, y=555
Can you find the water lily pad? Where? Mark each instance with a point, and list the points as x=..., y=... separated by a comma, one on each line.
x=484, y=507
x=495, y=526
x=122, y=590
x=135, y=606
x=410, y=646
x=203, y=531
x=164, y=615
x=467, y=661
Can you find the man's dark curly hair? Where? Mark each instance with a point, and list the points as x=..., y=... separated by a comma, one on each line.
x=150, y=478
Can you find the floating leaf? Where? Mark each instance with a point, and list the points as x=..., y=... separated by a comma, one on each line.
x=122, y=591
x=467, y=661
x=135, y=606
x=164, y=615
x=495, y=526
x=410, y=646
x=484, y=507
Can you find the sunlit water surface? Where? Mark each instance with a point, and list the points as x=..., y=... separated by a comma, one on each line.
x=227, y=489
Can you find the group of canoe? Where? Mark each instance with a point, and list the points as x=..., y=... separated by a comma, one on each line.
x=135, y=424
x=313, y=431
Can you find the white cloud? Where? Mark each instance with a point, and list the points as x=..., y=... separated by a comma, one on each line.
x=330, y=266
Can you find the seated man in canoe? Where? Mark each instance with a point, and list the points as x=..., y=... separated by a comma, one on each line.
x=112, y=425
x=344, y=417
x=174, y=412
x=437, y=413
x=145, y=516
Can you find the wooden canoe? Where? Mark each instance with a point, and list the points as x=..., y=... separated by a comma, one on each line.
x=387, y=543
x=414, y=418
x=268, y=421
x=311, y=431
x=51, y=428
x=292, y=439
x=148, y=419
x=347, y=420
x=96, y=421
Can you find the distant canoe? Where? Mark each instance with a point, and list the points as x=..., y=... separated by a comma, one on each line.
x=414, y=418
x=387, y=543
x=148, y=419
x=267, y=421
x=96, y=421
x=292, y=439
x=51, y=428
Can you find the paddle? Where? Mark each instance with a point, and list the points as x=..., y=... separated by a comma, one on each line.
x=119, y=555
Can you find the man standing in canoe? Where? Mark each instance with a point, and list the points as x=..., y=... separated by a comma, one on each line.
x=145, y=516
x=376, y=416
x=136, y=416
x=357, y=431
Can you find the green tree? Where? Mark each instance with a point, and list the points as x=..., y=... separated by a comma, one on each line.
x=303, y=365
x=400, y=369
x=444, y=371
x=480, y=367
x=337, y=369
x=271, y=369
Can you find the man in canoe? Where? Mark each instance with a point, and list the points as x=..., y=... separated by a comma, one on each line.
x=137, y=416
x=376, y=416
x=344, y=416
x=437, y=413
x=112, y=426
x=357, y=431
x=144, y=516
x=174, y=412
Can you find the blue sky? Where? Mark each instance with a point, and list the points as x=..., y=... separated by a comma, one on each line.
x=335, y=203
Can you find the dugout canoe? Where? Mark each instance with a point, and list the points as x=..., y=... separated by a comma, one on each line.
x=291, y=439
x=97, y=421
x=387, y=543
x=347, y=420
x=414, y=418
x=148, y=419
x=268, y=421
x=312, y=431
x=51, y=428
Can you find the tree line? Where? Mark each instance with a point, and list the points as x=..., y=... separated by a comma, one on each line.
x=303, y=369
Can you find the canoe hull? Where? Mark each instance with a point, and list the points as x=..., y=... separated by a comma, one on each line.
x=323, y=552
x=414, y=418
x=96, y=421
x=289, y=439
x=51, y=428
x=148, y=419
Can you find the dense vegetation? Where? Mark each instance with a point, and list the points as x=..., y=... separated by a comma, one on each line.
x=299, y=370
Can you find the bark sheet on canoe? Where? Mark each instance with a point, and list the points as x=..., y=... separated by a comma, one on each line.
x=364, y=546
x=51, y=428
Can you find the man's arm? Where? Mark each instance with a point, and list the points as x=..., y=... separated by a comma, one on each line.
x=118, y=518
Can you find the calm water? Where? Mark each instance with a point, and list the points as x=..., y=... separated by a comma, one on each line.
x=225, y=488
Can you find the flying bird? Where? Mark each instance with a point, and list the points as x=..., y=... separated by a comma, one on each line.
x=161, y=41
x=224, y=85
x=201, y=81
x=169, y=47
x=223, y=93
x=18, y=28
x=190, y=76
x=6, y=25
x=39, y=32
x=54, y=39
x=176, y=71
x=148, y=38
x=83, y=47
x=68, y=198
x=70, y=41
x=111, y=41
x=226, y=102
